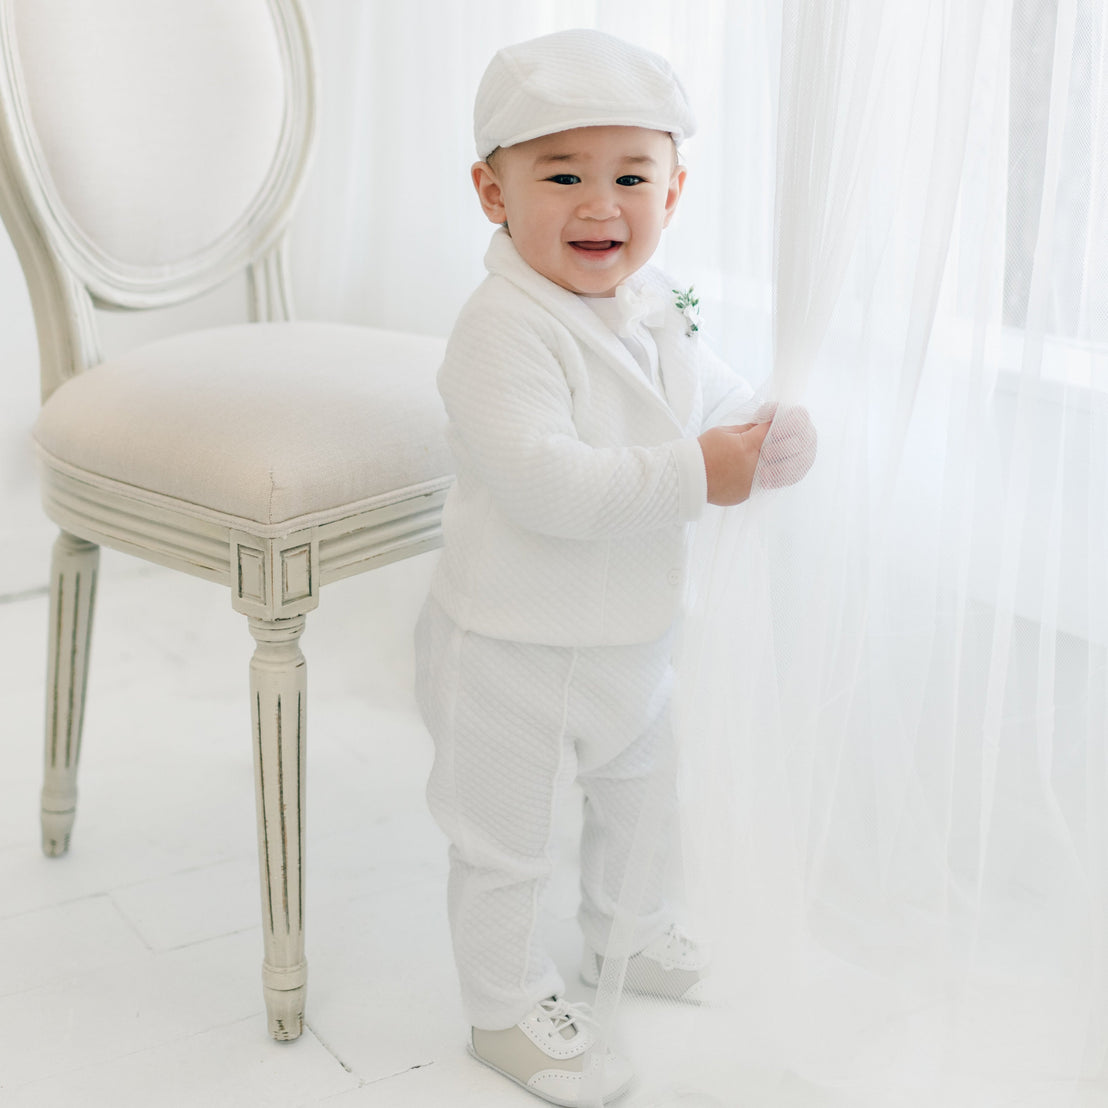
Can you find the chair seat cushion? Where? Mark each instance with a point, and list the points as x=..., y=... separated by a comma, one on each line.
x=263, y=422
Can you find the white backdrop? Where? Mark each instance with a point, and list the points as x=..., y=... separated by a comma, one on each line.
x=897, y=677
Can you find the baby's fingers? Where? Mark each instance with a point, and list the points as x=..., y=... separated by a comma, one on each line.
x=754, y=434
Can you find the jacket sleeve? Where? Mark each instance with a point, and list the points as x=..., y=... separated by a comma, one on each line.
x=512, y=430
x=728, y=398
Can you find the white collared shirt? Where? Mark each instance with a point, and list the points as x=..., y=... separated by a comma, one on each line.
x=637, y=338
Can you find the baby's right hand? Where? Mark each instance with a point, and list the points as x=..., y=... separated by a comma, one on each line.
x=730, y=459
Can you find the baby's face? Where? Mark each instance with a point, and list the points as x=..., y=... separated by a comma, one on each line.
x=585, y=208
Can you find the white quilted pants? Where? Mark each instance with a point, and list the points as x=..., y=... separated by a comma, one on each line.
x=513, y=724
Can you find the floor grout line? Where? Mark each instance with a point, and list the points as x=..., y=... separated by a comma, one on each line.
x=25, y=594
x=330, y=1050
x=400, y=1072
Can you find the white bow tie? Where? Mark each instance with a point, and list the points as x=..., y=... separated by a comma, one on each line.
x=646, y=308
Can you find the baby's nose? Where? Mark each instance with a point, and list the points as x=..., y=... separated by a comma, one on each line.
x=600, y=203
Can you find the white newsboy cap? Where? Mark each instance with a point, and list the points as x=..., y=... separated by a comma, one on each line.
x=578, y=78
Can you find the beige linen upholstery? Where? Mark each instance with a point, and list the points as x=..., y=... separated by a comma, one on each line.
x=150, y=150
x=266, y=424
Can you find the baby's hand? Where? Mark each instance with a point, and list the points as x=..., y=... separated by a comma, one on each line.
x=731, y=454
x=730, y=459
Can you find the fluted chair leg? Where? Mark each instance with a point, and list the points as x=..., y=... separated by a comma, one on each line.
x=72, y=597
x=278, y=690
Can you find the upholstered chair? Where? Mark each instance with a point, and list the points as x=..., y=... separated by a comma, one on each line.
x=149, y=151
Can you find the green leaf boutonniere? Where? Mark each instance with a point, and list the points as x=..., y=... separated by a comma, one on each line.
x=689, y=306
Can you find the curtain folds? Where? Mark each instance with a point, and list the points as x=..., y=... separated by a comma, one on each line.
x=893, y=696
x=893, y=684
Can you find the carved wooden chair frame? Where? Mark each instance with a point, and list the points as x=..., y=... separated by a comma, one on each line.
x=274, y=574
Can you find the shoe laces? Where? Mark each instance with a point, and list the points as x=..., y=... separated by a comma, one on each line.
x=565, y=1016
x=675, y=937
x=676, y=945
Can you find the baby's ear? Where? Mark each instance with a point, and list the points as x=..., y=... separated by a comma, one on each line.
x=489, y=192
x=673, y=194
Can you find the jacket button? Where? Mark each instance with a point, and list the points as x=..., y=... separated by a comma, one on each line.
x=674, y=577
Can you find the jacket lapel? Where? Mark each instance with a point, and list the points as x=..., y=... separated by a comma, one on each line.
x=678, y=369
x=678, y=352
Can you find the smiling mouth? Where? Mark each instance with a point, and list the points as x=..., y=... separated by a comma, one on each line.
x=596, y=246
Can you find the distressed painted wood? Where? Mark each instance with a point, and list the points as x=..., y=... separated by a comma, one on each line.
x=268, y=287
x=360, y=537
x=278, y=695
x=275, y=577
x=72, y=599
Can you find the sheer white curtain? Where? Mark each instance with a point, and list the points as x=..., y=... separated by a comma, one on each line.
x=894, y=693
x=895, y=698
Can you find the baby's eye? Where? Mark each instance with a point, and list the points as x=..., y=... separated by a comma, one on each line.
x=629, y=179
x=565, y=179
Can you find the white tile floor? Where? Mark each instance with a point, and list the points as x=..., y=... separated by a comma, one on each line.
x=129, y=970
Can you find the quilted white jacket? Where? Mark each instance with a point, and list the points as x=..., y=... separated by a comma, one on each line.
x=576, y=480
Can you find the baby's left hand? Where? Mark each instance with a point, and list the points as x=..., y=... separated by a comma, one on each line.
x=789, y=449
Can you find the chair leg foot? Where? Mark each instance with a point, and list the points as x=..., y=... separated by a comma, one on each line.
x=284, y=1000
x=56, y=829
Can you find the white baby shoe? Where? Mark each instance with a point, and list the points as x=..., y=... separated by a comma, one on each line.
x=551, y=1052
x=673, y=967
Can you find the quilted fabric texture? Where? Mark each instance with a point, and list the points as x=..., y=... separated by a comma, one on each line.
x=513, y=723
x=579, y=78
x=576, y=478
x=259, y=422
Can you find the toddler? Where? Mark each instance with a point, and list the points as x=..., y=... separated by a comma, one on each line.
x=590, y=426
